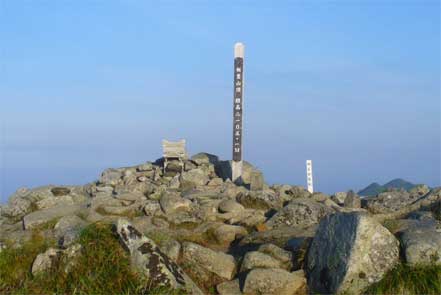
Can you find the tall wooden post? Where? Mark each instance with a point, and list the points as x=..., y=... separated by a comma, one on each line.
x=309, y=176
x=236, y=165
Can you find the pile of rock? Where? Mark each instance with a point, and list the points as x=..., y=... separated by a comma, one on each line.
x=239, y=239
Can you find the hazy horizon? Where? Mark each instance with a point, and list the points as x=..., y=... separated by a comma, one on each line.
x=88, y=86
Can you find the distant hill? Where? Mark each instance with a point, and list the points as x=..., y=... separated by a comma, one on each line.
x=374, y=188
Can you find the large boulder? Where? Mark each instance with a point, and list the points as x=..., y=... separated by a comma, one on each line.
x=421, y=243
x=349, y=252
x=274, y=282
x=207, y=260
x=148, y=259
x=299, y=212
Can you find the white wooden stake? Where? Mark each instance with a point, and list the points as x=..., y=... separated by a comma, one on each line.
x=309, y=176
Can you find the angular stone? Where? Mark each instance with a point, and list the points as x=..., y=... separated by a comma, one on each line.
x=172, y=249
x=148, y=259
x=215, y=182
x=54, y=201
x=221, y=264
x=145, y=167
x=172, y=202
x=68, y=222
x=421, y=215
x=349, y=252
x=69, y=237
x=273, y=282
x=151, y=207
x=352, y=200
x=70, y=256
x=230, y=206
x=260, y=200
x=174, y=182
x=421, y=243
x=110, y=176
x=256, y=181
x=285, y=257
x=189, y=165
x=339, y=198
x=225, y=234
x=256, y=259
x=229, y=288
x=131, y=196
x=388, y=202
x=193, y=178
x=419, y=190
x=37, y=218
x=279, y=236
x=204, y=158
x=60, y=191
x=45, y=261
x=299, y=212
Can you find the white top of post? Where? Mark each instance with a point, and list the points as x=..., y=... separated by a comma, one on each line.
x=239, y=50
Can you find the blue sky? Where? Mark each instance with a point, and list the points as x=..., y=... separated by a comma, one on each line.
x=352, y=85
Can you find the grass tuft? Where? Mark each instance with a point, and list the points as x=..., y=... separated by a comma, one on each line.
x=405, y=280
x=102, y=267
x=15, y=263
x=391, y=224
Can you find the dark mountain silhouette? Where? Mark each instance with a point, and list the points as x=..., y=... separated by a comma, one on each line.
x=374, y=188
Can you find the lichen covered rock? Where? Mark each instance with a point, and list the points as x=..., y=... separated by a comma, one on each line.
x=349, y=252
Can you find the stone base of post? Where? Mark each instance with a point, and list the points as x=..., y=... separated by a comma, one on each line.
x=236, y=171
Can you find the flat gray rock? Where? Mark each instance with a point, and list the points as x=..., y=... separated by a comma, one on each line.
x=37, y=218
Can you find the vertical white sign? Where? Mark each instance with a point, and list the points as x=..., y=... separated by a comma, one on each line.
x=236, y=165
x=309, y=176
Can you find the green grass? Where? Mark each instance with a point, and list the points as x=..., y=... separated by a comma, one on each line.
x=15, y=264
x=103, y=267
x=409, y=280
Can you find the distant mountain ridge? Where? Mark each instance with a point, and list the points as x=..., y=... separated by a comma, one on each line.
x=374, y=188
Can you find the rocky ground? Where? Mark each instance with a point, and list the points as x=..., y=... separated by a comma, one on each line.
x=195, y=230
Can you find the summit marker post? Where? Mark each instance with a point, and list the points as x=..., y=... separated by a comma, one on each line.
x=236, y=165
x=309, y=180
